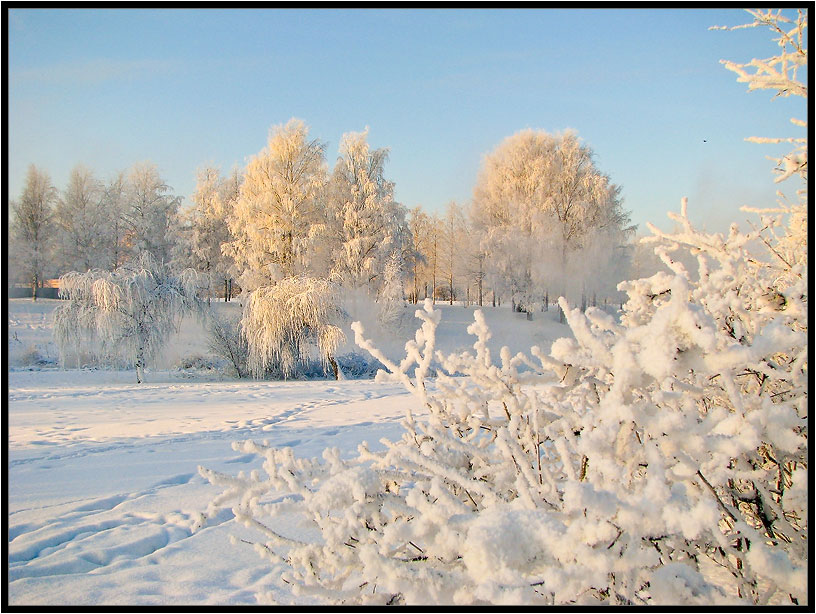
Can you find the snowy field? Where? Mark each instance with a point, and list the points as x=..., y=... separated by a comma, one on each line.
x=103, y=488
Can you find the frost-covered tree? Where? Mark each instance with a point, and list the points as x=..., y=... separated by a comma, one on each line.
x=130, y=311
x=367, y=220
x=391, y=299
x=472, y=257
x=433, y=254
x=453, y=242
x=539, y=200
x=208, y=229
x=230, y=193
x=418, y=226
x=508, y=204
x=279, y=214
x=119, y=249
x=285, y=322
x=31, y=230
x=82, y=220
x=150, y=213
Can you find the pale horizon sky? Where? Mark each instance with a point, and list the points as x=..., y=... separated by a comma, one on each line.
x=440, y=88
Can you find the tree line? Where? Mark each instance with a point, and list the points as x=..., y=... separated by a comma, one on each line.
x=543, y=221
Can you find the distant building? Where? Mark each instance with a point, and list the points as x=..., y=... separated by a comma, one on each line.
x=48, y=289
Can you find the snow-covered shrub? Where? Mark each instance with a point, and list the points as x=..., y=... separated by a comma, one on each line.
x=659, y=460
x=130, y=312
x=354, y=365
x=196, y=362
x=225, y=339
x=656, y=459
x=31, y=356
x=282, y=323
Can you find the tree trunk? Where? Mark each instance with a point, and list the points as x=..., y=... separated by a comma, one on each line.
x=139, y=366
x=562, y=318
x=481, y=275
x=209, y=284
x=335, y=368
x=416, y=286
x=34, y=288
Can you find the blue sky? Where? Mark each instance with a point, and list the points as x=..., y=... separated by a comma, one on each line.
x=440, y=88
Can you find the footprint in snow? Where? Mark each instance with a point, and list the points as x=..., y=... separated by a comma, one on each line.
x=246, y=458
x=176, y=480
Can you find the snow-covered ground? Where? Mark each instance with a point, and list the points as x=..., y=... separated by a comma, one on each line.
x=103, y=489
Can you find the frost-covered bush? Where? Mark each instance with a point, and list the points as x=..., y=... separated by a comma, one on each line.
x=129, y=312
x=196, y=362
x=284, y=322
x=352, y=365
x=225, y=340
x=659, y=460
x=31, y=356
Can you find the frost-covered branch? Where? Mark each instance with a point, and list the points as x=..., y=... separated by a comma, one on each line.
x=779, y=73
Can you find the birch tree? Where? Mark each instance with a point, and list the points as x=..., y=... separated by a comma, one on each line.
x=509, y=200
x=452, y=226
x=150, y=213
x=82, y=221
x=130, y=312
x=119, y=249
x=31, y=229
x=278, y=215
x=391, y=295
x=472, y=257
x=285, y=322
x=366, y=217
x=434, y=251
x=209, y=229
x=419, y=229
x=539, y=199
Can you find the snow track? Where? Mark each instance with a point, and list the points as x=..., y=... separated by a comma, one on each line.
x=104, y=488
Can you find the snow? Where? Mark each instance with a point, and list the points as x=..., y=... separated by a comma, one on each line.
x=103, y=486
